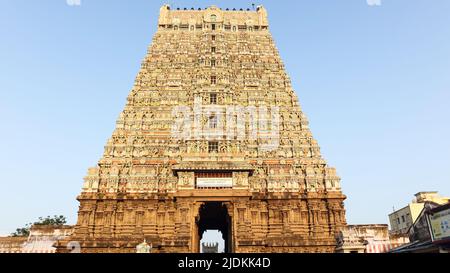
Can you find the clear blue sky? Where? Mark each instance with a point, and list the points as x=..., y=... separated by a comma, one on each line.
x=374, y=82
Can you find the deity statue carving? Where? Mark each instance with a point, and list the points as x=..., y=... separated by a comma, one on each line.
x=161, y=185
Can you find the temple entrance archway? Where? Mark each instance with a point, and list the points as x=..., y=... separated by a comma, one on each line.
x=214, y=216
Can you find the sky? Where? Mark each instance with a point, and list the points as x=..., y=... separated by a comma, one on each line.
x=373, y=80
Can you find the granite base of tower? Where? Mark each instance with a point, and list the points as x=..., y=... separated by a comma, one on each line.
x=174, y=223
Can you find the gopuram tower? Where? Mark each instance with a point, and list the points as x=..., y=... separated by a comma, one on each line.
x=212, y=137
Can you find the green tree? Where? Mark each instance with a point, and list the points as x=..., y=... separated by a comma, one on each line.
x=24, y=231
x=51, y=221
x=57, y=220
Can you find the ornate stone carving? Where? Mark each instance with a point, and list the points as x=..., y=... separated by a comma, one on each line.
x=284, y=199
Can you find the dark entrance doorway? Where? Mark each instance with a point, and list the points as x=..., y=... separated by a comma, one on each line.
x=214, y=216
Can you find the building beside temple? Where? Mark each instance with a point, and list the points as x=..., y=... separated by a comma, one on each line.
x=421, y=227
x=212, y=137
x=401, y=220
x=430, y=233
x=42, y=239
x=210, y=247
x=367, y=239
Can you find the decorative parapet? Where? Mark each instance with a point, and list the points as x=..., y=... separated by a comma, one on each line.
x=12, y=244
x=234, y=19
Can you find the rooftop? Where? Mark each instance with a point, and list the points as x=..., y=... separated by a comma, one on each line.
x=213, y=14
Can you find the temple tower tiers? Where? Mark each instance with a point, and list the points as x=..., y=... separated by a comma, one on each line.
x=212, y=137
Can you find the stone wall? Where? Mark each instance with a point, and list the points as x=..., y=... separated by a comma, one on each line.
x=40, y=240
x=367, y=239
x=12, y=244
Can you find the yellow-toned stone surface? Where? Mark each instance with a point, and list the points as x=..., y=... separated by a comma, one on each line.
x=145, y=185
